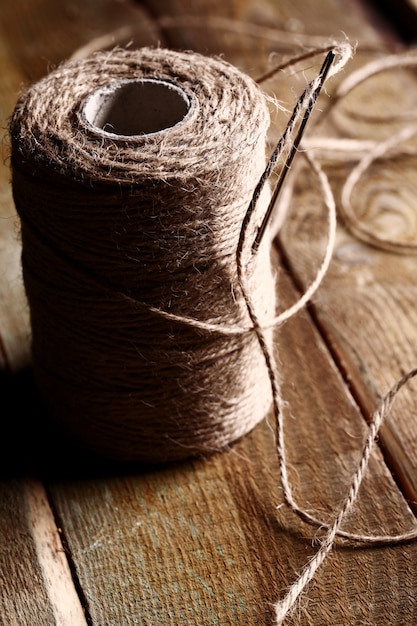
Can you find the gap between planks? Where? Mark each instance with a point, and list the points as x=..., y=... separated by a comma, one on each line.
x=53, y=562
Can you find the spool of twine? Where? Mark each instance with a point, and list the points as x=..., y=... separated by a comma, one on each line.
x=132, y=172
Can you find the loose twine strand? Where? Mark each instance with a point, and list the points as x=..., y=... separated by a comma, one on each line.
x=310, y=147
x=285, y=606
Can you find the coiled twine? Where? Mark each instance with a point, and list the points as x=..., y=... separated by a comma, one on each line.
x=132, y=172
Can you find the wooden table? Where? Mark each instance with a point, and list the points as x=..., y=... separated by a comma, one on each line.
x=84, y=541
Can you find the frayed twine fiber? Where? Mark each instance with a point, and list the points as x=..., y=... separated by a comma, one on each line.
x=145, y=320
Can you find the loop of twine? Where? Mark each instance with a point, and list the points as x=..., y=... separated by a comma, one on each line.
x=257, y=322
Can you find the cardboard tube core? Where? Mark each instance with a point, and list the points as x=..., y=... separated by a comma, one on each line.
x=137, y=107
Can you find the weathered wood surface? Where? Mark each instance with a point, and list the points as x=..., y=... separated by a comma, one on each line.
x=86, y=542
x=366, y=306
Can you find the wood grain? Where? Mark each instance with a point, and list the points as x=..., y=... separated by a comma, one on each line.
x=35, y=583
x=23, y=596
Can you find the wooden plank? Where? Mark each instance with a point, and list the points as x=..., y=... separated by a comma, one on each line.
x=23, y=597
x=35, y=581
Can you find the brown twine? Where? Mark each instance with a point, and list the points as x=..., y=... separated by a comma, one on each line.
x=92, y=206
x=116, y=229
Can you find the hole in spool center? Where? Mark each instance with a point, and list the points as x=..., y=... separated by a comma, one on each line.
x=137, y=107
